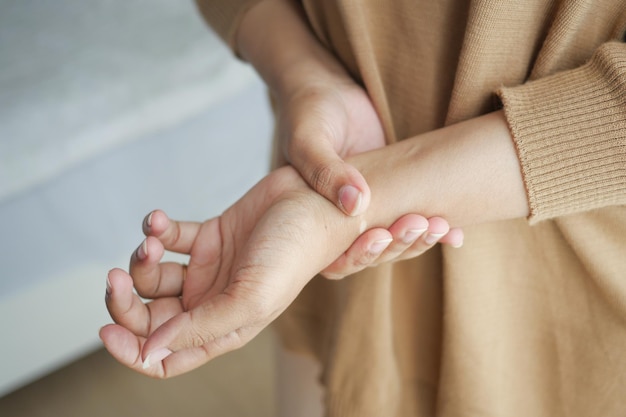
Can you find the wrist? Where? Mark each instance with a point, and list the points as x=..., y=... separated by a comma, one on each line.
x=467, y=173
x=328, y=231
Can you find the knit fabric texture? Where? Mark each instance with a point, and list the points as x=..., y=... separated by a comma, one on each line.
x=529, y=317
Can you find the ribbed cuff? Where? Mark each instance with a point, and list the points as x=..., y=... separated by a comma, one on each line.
x=224, y=16
x=570, y=130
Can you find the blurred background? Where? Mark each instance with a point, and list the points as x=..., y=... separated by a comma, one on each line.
x=108, y=110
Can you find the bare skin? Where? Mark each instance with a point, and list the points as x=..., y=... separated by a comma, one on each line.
x=249, y=264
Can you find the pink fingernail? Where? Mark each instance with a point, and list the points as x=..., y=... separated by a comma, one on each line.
x=142, y=251
x=432, y=238
x=379, y=246
x=412, y=234
x=156, y=357
x=149, y=220
x=350, y=199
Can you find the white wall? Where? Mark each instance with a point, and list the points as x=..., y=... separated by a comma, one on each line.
x=190, y=148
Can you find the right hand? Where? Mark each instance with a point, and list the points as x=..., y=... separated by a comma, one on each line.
x=322, y=122
x=324, y=116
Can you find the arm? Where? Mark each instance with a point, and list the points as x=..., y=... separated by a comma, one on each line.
x=568, y=130
x=248, y=265
x=323, y=117
x=557, y=148
x=468, y=173
x=302, y=75
x=561, y=124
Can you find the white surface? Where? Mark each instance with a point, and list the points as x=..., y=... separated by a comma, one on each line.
x=80, y=78
x=59, y=240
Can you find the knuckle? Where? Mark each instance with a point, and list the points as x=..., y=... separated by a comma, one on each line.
x=199, y=337
x=198, y=334
x=321, y=177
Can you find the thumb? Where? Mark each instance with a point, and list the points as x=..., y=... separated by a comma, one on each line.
x=332, y=177
x=194, y=337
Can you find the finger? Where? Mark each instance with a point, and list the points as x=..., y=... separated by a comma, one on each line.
x=151, y=278
x=176, y=236
x=405, y=232
x=215, y=327
x=129, y=311
x=125, y=307
x=437, y=228
x=454, y=238
x=123, y=345
x=365, y=250
x=126, y=348
x=323, y=169
x=166, y=363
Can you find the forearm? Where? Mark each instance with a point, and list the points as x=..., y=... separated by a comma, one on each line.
x=275, y=38
x=467, y=173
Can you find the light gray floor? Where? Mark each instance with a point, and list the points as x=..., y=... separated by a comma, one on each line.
x=239, y=384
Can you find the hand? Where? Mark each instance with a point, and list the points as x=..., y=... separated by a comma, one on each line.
x=408, y=237
x=327, y=120
x=323, y=118
x=323, y=114
x=320, y=122
x=246, y=266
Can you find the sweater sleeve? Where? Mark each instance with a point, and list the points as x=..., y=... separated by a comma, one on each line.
x=224, y=16
x=570, y=133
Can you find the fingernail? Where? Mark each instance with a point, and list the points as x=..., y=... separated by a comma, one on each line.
x=108, y=290
x=350, y=199
x=412, y=234
x=458, y=245
x=379, y=246
x=432, y=238
x=156, y=357
x=142, y=251
x=149, y=220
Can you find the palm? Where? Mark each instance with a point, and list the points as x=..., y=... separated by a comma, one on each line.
x=245, y=268
x=230, y=252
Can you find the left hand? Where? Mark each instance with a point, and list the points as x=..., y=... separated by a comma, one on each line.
x=408, y=237
x=246, y=266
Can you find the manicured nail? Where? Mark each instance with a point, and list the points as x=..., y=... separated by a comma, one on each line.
x=156, y=357
x=379, y=246
x=149, y=220
x=458, y=245
x=432, y=238
x=350, y=199
x=142, y=251
x=412, y=234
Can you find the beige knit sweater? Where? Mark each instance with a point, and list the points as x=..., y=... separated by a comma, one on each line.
x=529, y=317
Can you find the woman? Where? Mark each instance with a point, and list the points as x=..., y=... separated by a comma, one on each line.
x=505, y=118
